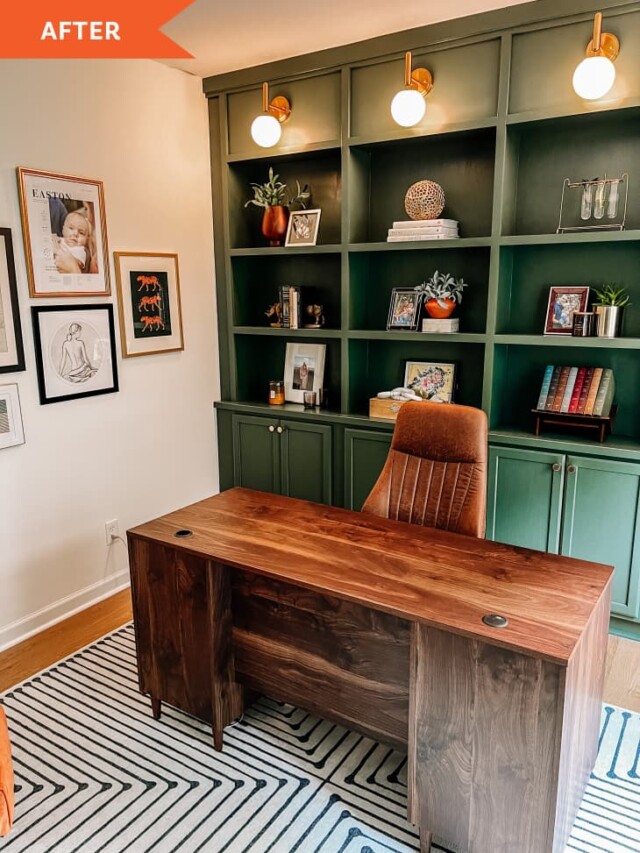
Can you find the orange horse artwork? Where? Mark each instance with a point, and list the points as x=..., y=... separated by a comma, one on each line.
x=148, y=281
x=150, y=303
x=150, y=323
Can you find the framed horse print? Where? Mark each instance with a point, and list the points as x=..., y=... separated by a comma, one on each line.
x=149, y=301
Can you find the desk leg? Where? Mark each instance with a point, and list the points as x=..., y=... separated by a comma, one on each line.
x=156, y=707
x=227, y=701
x=425, y=841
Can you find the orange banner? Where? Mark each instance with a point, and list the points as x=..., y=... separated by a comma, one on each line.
x=78, y=29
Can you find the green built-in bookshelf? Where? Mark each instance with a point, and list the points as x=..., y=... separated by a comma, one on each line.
x=502, y=130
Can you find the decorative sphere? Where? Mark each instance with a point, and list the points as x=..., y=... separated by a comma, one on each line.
x=266, y=131
x=408, y=107
x=424, y=200
x=593, y=77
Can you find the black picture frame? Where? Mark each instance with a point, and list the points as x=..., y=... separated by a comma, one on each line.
x=11, y=361
x=62, y=357
x=404, y=310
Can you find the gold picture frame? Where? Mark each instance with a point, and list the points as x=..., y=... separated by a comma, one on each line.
x=148, y=285
x=65, y=234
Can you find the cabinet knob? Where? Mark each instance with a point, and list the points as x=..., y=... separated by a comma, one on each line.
x=272, y=428
x=280, y=429
x=571, y=469
x=556, y=467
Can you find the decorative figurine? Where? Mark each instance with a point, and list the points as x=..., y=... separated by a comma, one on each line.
x=316, y=317
x=275, y=310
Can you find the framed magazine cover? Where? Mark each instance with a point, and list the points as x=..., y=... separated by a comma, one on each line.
x=65, y=234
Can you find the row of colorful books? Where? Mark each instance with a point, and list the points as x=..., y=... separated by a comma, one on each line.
x=577, y=390
x=423, y=229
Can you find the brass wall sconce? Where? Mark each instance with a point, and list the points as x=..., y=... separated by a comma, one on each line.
x=265, y=128
x=596, y=74
x=408, y=105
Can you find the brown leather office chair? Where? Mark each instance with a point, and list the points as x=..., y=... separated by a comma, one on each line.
x=436, y=471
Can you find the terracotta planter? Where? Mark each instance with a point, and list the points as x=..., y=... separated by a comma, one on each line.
x=440, y=309
x=274, y=224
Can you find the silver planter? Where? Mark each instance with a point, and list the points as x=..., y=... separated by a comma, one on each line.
x=608, y=318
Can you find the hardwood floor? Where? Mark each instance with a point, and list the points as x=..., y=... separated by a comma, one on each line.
x=64, y=638
x=622, y=680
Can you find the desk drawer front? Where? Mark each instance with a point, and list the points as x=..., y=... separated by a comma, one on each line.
x=338, y=659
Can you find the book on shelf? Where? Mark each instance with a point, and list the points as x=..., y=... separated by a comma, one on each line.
x=592, y=391
x=291, y=310
x=423, y=233
x=426, y=223
x=570, y=390
x=444, y=327
x=407, y=238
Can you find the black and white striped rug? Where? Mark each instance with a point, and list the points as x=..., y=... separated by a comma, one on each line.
x=95, y=772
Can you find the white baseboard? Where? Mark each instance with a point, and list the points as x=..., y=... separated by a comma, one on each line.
x=26, y=627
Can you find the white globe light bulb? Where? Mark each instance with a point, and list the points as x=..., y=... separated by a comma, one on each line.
x=266, y=131
x=408, y=107
x=593, y=77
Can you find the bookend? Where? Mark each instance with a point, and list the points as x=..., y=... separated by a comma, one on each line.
x=595, y=426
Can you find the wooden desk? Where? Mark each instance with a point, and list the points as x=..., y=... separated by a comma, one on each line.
x=378, y=625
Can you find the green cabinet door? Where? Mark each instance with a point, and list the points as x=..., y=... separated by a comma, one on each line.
x=365, y=454
x=256, y=456
x=602, y=523
x=305, y=450
x=524, y=500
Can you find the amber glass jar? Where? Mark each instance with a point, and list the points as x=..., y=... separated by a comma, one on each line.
x=276, y=393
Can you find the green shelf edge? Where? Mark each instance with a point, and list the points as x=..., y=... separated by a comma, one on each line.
x=259, y=251
x=452, y=338
x=570, y=237
x=424, y=132
x=293, y=333
x=408, y=245
x=285, y=152
x=614, y=447
x=566, y=341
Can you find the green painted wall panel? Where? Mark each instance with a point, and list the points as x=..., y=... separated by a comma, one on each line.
x=365, y=454
x=315, y=114
x=602, y=523
x=465, y=88
x=524, y=498
x=543, y=62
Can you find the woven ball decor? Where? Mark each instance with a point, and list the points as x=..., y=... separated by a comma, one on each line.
x=424, y=200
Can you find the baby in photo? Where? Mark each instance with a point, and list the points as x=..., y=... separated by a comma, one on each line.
x=76, y=233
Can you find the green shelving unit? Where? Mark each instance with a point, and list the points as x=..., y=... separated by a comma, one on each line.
x=502, y=131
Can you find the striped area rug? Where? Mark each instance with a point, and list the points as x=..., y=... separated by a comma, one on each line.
x=94, y=772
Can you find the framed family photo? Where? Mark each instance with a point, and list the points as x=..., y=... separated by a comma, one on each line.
x=11, y=348
x=75, y=351
x=11, y=429
x=404, y=310
x=65, y=234
x=303, y=370
x=562, y=305
x=149, y=301
x=431, y=380
x=302, y=229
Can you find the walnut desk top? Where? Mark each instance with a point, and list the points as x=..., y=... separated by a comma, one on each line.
x=439, y=579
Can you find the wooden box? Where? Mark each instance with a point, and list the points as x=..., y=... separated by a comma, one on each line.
x=385, y=407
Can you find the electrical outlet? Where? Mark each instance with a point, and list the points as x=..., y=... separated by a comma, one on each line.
x=111, y=530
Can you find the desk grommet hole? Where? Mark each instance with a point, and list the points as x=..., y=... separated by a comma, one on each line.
x=494, y=620
x=182, y=534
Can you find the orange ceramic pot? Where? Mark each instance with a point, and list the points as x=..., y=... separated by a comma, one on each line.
x=440, y=309
x=274, y=224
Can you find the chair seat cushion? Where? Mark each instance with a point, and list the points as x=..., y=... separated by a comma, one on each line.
x=6, y=777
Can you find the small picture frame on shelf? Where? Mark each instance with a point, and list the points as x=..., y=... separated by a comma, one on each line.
x=75, y=351
x=303, y=370
x=11, y=429
x=563, y=303
x=404, y=309
x=431, y=380
x=302, y=229
x=65, y=234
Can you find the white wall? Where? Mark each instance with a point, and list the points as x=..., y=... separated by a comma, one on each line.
x=142, y=129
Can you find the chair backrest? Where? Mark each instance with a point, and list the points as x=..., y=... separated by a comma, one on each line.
x=6, y=777
x=436, y=471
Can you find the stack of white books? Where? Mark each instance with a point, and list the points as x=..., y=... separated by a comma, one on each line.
x=423, y=229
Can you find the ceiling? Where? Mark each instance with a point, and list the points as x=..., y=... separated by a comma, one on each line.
x=225, y=35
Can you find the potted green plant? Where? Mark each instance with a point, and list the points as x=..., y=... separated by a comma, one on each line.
x=442, y=292
x=608, y=305
x=272, y=196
